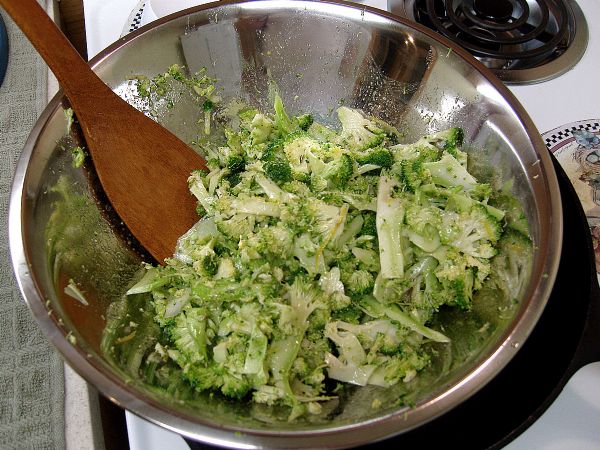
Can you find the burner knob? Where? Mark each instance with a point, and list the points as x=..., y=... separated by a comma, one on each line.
x=496, y=10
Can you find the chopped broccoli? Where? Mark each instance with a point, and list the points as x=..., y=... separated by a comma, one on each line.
x=473, y=233
x=449, y=140
x=360, y=282
x=378, y=156
x=358, y=133
x=340, y=172
x=389, y=220
x=350, y=314
x=321, y=256
x=260, y=129
x=423, y=223
x=282, y=121
x=369, y=227
x=413, y=173
x=78, y=155
x=305, y=121
x=278, y=170
x=236, y=162
x=208, y=105
x=448, y=172
x=511, y=266
x=210, y=264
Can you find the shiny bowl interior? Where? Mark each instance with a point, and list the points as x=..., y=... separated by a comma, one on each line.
x=320, y=54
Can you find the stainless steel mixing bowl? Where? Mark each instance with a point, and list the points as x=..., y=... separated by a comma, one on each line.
x=320, y=54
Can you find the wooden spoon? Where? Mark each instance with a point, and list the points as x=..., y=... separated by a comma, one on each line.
x=142, y=167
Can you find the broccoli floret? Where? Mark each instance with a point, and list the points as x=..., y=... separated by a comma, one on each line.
x=379, y=156
x=260, y=129
x=351, y=314
x=280, y=148
x=481, y=192
x=331, y=285
x=210, y=264
x=328, y=222
x=246, y=114
x=399, y=368
x=449, y=139
x=233, y=179
x=421, y=150
x=305, y=121
x=354, y=365
x=201, y=378
x=423, y=219
x=303, y=300
x=369, y=227
x=236, y=162
x=510, y=268
x=515, y=217
x=413, y=174
x=236, y=387
x=208, y=105
x=278, y=170
x=273, y=150
x=275, y=241
x=216, y=378
x=459, y=290
x=423, y=223
x=189, y=335
x=358, y=133
x=176, y=71
x=459, y=202
x=321, y=133
x=459, y=276
x=472, y=233
x=360, y=282
x=340, y=171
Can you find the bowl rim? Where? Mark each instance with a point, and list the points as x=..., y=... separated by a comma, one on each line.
x=93, y=370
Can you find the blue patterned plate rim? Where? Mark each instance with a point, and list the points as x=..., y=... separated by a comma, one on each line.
x=583, y=132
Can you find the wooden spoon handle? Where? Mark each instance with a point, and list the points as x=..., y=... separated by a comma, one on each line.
x=143, y=168
x=62, y=58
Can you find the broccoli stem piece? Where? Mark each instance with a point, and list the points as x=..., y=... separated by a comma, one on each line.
x=390, y=215
x=449, y=172
x=282, y=120
x=257, y=351
x=200, y=192
x=375, y=309
x=255, y=206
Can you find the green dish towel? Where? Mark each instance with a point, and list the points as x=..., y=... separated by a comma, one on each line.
x=31, y=371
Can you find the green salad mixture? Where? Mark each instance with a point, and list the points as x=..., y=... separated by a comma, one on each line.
x=321, y=257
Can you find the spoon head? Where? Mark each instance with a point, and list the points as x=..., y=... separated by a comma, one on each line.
x=143, y=169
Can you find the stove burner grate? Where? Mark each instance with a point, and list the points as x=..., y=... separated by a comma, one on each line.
x=522, y=41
